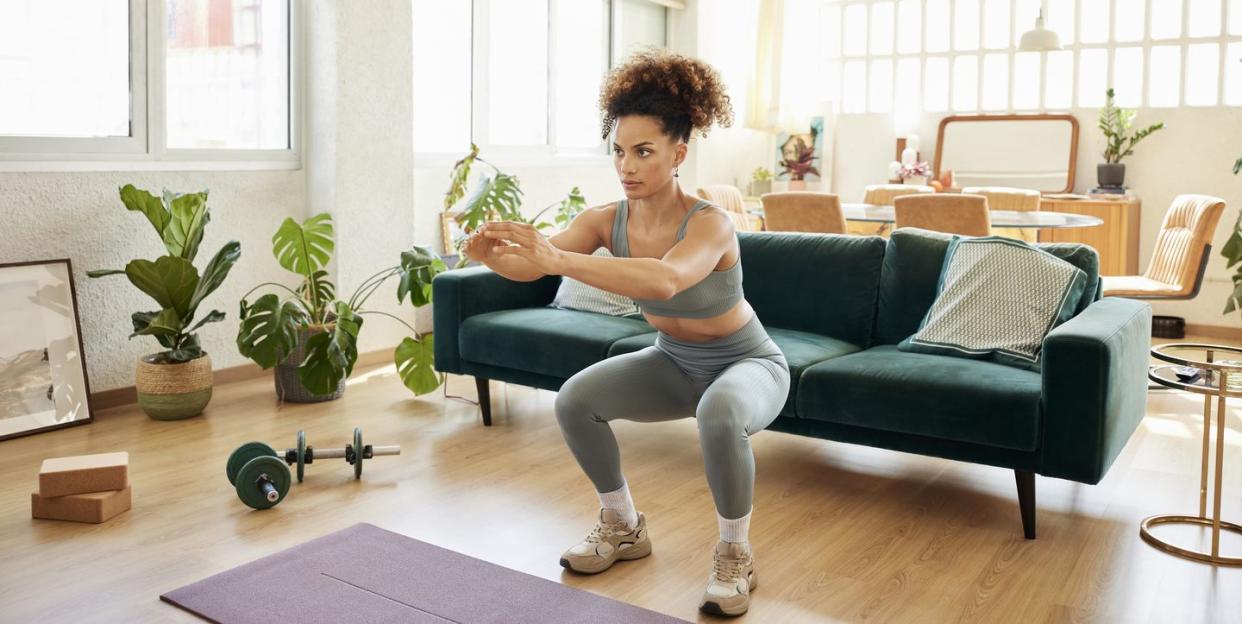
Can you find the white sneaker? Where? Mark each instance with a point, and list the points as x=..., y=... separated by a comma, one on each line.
x=610, y=540
x=731, y=581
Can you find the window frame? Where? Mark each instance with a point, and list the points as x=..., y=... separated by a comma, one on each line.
x=146, y=149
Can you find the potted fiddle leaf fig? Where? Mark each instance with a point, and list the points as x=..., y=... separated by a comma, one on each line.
x=311, y=336
x=175, y=383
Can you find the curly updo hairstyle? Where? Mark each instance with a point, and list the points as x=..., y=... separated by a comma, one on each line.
x=685, y=94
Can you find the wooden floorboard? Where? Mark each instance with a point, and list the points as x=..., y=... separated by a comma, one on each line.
x=841, y=533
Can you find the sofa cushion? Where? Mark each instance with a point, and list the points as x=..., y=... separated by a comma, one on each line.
x=825, y=284
x=929, y=395
x=801, y=350
x=912, y=264
x=547, y=341
x=575, y=295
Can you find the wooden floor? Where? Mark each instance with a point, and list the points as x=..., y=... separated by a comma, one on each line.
x=841, y=533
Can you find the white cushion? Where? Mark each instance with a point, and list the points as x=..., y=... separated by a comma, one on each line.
x=575, y=295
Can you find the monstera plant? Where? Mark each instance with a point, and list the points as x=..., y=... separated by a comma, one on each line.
x=311, y=335
x=176, y=382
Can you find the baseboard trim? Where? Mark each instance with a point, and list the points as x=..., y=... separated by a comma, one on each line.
x=1214, y=331
x=128, y=395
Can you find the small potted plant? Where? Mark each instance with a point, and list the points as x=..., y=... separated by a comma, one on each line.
x=311, y=336
x=175, y=383
x=1115, y=123
x=760, y=182
x=798, y=159
x=914, y=173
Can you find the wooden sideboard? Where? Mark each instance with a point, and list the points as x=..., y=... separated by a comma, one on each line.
x=1116, y=240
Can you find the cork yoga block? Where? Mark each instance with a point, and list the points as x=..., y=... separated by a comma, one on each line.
x=95, y=507
x=62, y=476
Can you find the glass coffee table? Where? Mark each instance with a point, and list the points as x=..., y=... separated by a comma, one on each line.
x=1214, y=371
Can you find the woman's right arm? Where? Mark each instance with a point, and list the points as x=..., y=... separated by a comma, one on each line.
x=582, y=236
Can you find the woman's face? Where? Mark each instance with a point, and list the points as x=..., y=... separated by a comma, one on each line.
x=644, y=156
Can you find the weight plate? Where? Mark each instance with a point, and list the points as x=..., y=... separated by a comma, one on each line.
x=243, y=454
x=247, y=486
x=301, y=452
x=357, y=452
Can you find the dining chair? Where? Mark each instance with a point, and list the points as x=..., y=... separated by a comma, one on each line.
x=803, y=211
x=730, y=198
x=882, y=195
x=1009, y=198
x=955, y=213
x=1181, y=255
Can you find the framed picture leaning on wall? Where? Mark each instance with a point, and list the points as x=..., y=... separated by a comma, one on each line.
x=43, y=381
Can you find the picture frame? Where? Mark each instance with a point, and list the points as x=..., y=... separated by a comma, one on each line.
x=43, y=379
x=450, y=233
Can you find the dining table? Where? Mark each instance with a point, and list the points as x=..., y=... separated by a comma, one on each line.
x=877, y=213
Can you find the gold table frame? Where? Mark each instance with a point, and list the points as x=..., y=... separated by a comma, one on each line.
x=1211, y=370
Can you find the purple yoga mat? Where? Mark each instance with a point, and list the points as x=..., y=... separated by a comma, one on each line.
x=367, y=574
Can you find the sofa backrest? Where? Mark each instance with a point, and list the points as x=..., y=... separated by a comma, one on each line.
x=912, y=263
x=821, y=283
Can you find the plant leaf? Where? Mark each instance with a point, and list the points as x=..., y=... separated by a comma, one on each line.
x=269, y=330
x=496, y=197
x=318, y=290
x=189, y=350
x=330, y=355
x=415, y=361
x=104, y=272
x=169, y=280
x=459, y=177
x=185, y=230
x=215, y=316
x=137, y=199
x=164, y=323
x=304, y=247
x=419, y=266
x=142, y=319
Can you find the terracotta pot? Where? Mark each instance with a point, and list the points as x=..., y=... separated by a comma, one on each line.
x=173, y=391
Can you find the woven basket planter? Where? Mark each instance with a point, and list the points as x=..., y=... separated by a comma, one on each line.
x=288, y=385
x=173, y=391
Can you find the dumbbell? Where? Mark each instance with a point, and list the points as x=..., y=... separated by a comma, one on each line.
x=352, y=453
x=261, y=479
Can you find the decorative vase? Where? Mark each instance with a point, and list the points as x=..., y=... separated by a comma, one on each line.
x=920, y=180
x=1110, y=175
x=173, y=391
x=288, y=385
x=759, y=187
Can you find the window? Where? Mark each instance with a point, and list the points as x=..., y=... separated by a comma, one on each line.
x=148, y=80
x=521, y=76
x=962, y=56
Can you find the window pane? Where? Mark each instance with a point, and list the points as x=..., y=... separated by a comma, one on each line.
x=1166, y=19
x=936, y=85
x=831, y=82
x=909, y=26
x=69, y=61
x=907, y=96
x=1060, y=17
x=1026, y=81
x=854, y=39
x=1058, y=79
x=441, y=76
x=227, y=69
x=580, y=58
x=642, y=24
x=995, y=81
x=1128, y=21
x=1128, y=76
x=1164, y=90
x=1233, y=74
x=966, y=25
x=1204, y=18
x=831, y=19
x=1202, y=71
x=1094, y=24
x=996, y=24
x=854, y=87
x=965, y=83
x=518, y=64
x=936, y=22
x=880, y=81
x=1092, y=77
x=1235, y=17
x=882, y=28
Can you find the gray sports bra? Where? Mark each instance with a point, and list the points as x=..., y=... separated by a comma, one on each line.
x=714, y=295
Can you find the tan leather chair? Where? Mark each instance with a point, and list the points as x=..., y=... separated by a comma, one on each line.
x=1181, y=255
x=730, y=198
x=882, y=195
x=1007, y=198
x=955, y=213
x=803, y=211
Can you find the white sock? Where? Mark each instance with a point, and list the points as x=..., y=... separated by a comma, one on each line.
x=736, y=530
x=619, y=500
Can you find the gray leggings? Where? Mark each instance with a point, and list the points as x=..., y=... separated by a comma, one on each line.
x=734, y=386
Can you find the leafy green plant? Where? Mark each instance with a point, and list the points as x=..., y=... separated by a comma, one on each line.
x=1232, y=251
x=172, y=280
x=1115, y=123
x=761, y=174
x=271, y=325
x=498, y=196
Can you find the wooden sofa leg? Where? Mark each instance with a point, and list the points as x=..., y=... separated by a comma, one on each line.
x=1026, y=500
x=485, y=399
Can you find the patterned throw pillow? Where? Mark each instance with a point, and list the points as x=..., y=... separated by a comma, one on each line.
x=997, y=299
x=575, y=295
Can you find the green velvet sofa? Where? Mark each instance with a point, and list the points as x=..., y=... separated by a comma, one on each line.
x=837, y=306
